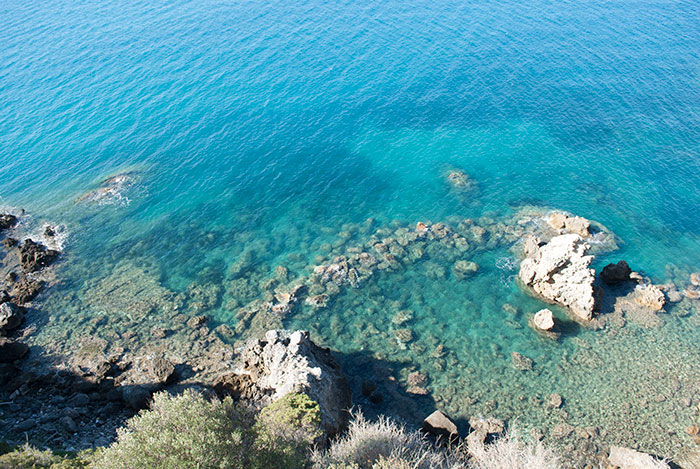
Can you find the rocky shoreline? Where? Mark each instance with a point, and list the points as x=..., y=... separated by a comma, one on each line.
x=56, y=403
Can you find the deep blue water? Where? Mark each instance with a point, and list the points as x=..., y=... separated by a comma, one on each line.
x=277, y=123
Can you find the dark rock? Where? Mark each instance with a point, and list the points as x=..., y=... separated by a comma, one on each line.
x=34, y=256
x=616, y=273
x=237, y=386
x=10, y=243
x=137, y=397
x=25, y=289
x=368, y=387
x=11, y=316
x=68, y=424
x=439, y=425
x=79, y=400
x=49, y=232
x=376, y=398
x=160, y=370
x=4, y=296
x=25, y=425
x=11, y=350
x=7, y=221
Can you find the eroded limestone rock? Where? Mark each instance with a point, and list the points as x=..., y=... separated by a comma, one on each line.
x=560, y=272
x=626, y=458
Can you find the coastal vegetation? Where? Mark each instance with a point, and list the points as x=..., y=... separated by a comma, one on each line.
x=192, y=431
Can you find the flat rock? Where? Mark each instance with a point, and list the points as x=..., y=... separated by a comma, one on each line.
x=626, y=458
x=560, y=272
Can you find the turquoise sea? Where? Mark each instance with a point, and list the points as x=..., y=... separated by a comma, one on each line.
x=258, y=134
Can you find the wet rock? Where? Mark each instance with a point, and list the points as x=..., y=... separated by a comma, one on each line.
x=560, y=272
x=459, y=180
x=317, y=301
x=197, y=321
x=554, y=401
x=463, y=269
x=439, y=425
x=49, y=232
x=691, y=294
x=562, y=430
x=159, y=332
x=613, y=274
x=25, y=289
x=578, y=225
x=402, y=317
x=557, y=220
x=521, y=362
x=695, y=279
x=34, y=256
x=285, y=362
x=11, y=350
x=626, y=458
x=649, y=296
x=7, y=221
x=417, y=379
x=543, y=320
x=11, y=316
x=403, y=336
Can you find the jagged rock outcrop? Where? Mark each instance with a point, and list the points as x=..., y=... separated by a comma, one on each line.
x=11, y=316
x=560, y=272
x=284, y=362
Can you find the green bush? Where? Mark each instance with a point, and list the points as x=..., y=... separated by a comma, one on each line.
x=188, y=431
x=285, y=431
x=28, y=457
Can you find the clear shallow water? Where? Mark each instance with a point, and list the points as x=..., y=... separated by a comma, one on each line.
x=260, y=130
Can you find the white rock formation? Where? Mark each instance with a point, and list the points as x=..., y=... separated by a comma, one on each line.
x=560, y=272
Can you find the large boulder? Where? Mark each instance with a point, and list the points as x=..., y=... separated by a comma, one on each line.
x=560, y=272
x=11, y=350
x=7, y=221
x=613, y=274
x=289, y=362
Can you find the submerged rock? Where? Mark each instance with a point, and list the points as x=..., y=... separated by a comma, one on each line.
x=560, y=272
x=626, y=458
x=463, y=269
x=285, y=362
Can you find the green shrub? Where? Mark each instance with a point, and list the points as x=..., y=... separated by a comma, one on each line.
x=186, y=431
x=285, y=431
x=28, y=457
